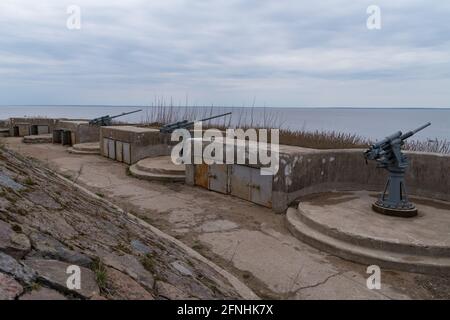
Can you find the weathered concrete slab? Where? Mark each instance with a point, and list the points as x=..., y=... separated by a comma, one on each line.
x=296, y=269
x=345, y=225
x=217, y=226
x=350, y=214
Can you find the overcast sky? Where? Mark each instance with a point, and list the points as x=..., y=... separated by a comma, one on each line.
x=226, y=52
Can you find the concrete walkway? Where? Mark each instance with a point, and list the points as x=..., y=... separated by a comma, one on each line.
x=248, y=240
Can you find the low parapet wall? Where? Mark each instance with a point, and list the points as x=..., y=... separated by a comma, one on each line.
x=312, y=171
x=305, y=171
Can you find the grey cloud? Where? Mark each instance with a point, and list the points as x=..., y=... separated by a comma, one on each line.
x=224, y=52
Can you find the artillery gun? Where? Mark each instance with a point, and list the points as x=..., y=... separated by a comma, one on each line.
x=171, y=127
x=388, y=154
x=107, y=120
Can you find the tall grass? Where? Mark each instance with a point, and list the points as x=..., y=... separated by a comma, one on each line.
x=244, y=118
x=322, y=139
x=240, y=118
x=437, y=146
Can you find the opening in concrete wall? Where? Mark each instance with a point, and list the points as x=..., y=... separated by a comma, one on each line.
x=66, y=138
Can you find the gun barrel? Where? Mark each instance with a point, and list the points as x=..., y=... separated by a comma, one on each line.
x=387, y=139
x=214, y=117
x=125, y=113
x=422, y=127
x=413, y=132
x=169, y=128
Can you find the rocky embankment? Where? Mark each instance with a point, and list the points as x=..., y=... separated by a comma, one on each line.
x=48, y=226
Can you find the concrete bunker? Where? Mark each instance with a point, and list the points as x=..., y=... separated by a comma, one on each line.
x=21, y=127
x=70, y=132
x=129, y=144
x=243, y=180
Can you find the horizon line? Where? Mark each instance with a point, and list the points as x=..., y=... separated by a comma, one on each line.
x=215, y=106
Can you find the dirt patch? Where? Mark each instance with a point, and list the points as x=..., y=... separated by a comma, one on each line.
x=436, y=286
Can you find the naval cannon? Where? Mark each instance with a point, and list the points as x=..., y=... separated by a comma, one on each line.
x=185, y=124
x=107, y=120
x=388, y=155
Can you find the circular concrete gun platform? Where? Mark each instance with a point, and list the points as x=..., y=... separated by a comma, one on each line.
x=85, y=148
x=158, y=168
x=344, y=224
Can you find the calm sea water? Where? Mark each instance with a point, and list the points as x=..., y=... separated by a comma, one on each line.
x=370, y=123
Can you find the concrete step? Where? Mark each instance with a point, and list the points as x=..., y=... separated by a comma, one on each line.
x=88, y=146
x=85, y=148
x=146, y=175
x=75, y=151
x=365, y=255
x=160, y=165
x=372, y=242
x=159, y=170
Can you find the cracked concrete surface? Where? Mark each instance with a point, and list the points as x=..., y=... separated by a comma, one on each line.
x=248, y=240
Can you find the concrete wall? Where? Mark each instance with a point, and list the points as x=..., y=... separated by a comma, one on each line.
x=81, y=131
x=86, y=133
x=25, y=124
x=313, y=171
x=144, y=142
x=304, y=171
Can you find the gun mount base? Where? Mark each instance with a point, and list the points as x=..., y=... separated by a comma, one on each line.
x=395, y=212
x=394, y=200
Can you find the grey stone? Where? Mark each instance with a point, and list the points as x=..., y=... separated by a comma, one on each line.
x=124, y=287
x=40, y=197
x=182, y=268
x=6, y=181
x=9, y=288
x=131, y=266
x=54, y=273
x=19, y=271
x=14, y=244
x=51, y=248
x=168, y=291
x=140, y=247
x=43, y=294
